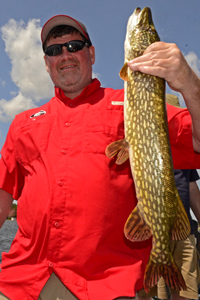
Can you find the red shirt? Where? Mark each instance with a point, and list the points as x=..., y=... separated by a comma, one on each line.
x=73, y=201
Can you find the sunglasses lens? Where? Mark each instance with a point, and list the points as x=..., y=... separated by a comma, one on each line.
x=72, y=46
x=53, y=50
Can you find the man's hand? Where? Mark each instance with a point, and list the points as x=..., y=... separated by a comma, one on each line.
x=166, y=61
x=6, y=200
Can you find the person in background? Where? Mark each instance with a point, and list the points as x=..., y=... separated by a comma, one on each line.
x=184, y=252
x=73, y=201
x=195, y=207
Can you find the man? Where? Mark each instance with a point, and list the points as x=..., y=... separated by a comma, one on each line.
x=72, y=200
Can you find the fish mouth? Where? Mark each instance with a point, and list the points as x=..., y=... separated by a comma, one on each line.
x=140, y=19
x=140, y=32
x=143, y=16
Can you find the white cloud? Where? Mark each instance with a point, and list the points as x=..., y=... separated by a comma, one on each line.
x=22, y=44
x=8, y=109
x=198, y=181
x=3, y=83
x=181, y=100
x=193, y=61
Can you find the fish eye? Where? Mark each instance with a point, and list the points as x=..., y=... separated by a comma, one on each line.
x=151, y=30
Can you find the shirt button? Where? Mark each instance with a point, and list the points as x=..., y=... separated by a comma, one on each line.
x=64, y=152
x=67, y=124
x=60, y=183
x=50, y=264
x=57, y=224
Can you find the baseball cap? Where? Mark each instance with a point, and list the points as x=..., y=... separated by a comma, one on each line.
x=63, y=20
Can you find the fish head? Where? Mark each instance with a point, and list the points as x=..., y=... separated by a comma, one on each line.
x=140, y=33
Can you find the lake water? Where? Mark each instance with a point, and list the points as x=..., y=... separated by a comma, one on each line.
x=7, y=234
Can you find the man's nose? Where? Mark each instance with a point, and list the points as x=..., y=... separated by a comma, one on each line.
x=65, y=52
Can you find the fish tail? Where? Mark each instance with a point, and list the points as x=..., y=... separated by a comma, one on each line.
x=170, y=272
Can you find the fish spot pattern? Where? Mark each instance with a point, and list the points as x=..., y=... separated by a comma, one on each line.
x=145, y=132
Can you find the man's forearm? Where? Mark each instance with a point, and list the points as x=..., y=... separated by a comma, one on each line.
x=6, y=200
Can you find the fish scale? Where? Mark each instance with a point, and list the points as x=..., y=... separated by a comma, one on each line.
x=159, y=212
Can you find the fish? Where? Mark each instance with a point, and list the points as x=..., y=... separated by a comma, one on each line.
x=159, y=213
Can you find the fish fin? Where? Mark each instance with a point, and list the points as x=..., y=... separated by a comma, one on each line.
x=181, y=227
x=170, y=272
x=136, y=229
x=124, y=72
x=121, y=148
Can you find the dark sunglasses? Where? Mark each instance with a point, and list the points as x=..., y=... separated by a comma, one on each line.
x=71, y=46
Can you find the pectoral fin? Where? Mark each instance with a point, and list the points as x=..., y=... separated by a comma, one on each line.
x=136, y=229
x=181, y=227
x=124, y=72
x=119, y=147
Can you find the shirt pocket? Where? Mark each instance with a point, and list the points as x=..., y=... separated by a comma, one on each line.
x=32, y=140
x=102, y=128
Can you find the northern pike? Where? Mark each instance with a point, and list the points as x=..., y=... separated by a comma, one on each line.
x=159, y=211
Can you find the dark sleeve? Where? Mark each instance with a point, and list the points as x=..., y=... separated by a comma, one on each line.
x=194, y=176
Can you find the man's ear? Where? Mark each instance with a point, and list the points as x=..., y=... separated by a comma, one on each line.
x=46, y=63
x=92, y=54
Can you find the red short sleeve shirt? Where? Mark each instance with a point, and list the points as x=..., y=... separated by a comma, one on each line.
x=73, y=201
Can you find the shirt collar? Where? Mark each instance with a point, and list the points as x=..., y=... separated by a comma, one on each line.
x=87, y=91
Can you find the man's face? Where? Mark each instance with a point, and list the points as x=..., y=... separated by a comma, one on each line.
x=71, y=71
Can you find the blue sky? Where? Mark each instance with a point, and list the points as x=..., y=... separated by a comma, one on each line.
x=24, y=82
